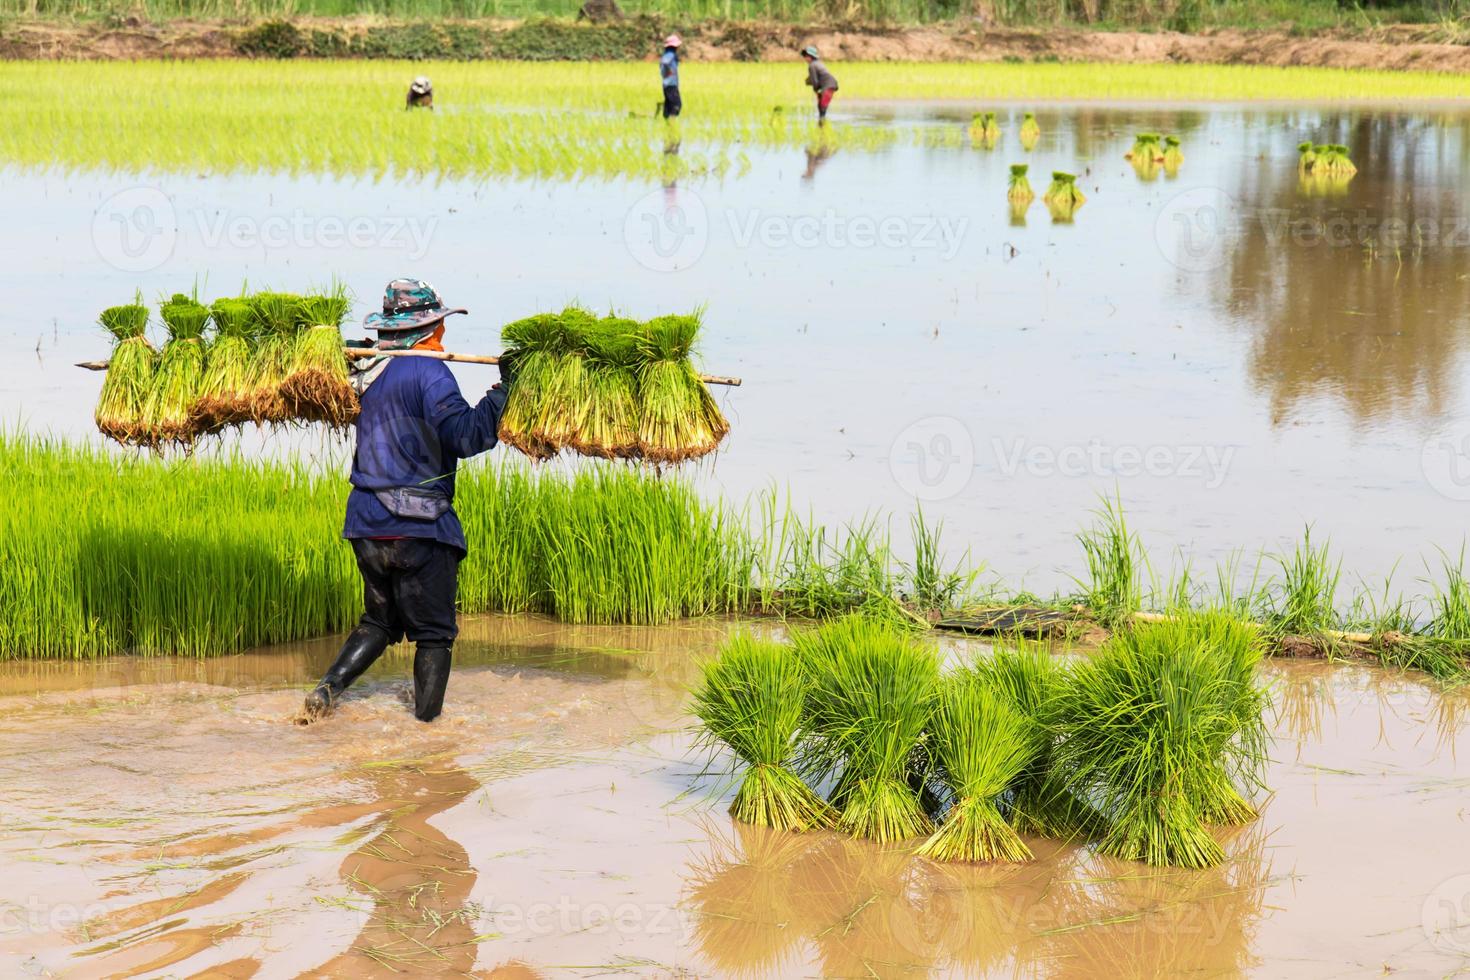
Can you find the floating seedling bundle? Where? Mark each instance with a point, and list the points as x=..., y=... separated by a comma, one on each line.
x=609, y=387
x=1136, y=749
x=1325, y=159
x=1146, y=148
x=1019, y=191
x=1063, y=197
x=1172, y=156
x=125, y=389
x=1030, y=131
x=984, y=129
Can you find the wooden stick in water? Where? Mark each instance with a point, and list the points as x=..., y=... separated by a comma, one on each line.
x=359, y=353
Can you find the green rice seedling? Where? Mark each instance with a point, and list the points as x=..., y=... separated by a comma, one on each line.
x=935, y=586
x=983, y=743
x=751, y=701
x=610, y=425
x=1146, y=148
x=1030, y=131
x=180, y=374
x=872, y=696
x=1145, y=723
x=1305, y=603
x=1018, y=191
x=1040, y=800
x=1333, y=160
x=316, y=387
x=1113, y=590
x=225, y=394
x=1063, y=197
x=1173, y=155
x=277, y=323
x=679, y=420
x=537, y=343
x=129, y=378
x=1307, y=156
x=984, y=130
x=566, y=389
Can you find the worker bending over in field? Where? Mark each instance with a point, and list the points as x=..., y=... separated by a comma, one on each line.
x=668, y=71
x=413, y=430
x=421, y=93
x=822, y=81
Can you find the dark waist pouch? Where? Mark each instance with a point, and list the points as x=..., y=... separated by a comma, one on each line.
x=413, y=504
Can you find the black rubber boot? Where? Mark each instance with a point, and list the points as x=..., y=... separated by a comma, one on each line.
x=363, y=647
x=430, y=678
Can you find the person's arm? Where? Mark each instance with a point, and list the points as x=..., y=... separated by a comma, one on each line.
x=463, y=430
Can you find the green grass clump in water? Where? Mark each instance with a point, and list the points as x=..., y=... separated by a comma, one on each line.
x=225, y=393
x=984, y=130
x=1173, y=156
x=316, y=387
x=1306, y=602
x=1018, y=190
x=1113, y=590
x=180, y=374
x=1063, y=197
x=679, y=419
x=982, y=742
x=751, y=701
x=1030, y=131
x=129, y=377
x=873, y=691
x=1146, y=148
x=1147, y=724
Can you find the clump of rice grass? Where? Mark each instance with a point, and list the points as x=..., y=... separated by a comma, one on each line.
x=567, y=391
x=1173, y=155
x=1030, y=131
x=536, y=343
x=1063, y=197
x=872, y=696
x=1018, y=190
x=1333, y=159
x=1307, y=156
x=610, y=423
x=984, y=130
x=277, y=322
x=225, y=391
x=1147, y=724
x=751, y=701
x=679, y=419
x=982, y=743
x=316, y=387
x=1113, y=590
x=129, y=378
x=1305, y=603
x=1146, y=149
x=180, y=374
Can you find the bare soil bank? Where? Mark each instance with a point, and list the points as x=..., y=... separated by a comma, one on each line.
x=1407, y=47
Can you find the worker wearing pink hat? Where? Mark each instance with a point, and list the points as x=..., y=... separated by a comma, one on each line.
x=668, y=70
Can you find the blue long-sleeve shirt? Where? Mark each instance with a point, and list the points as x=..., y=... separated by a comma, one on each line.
x=668, y=68
x=413, y=430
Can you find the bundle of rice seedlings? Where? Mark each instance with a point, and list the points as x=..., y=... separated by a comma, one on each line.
x=751, y=701
x=1145, y=147
x=129, y=375
x=1063, y=197
x=1040, y=801
x=679, y=418
x=1308, y=156
x=610, y=424
x=225, y=393
x=536, y=343
x=871, y=699
x=1238, y=648
x=316, y=386
x=1030, y=131
x=566, y=390
x=276, y=319
x=982, y=743
x=1146, y=722
x=1335, y=160
x=1019, y=189
x=180, y=373
x=1172, y=156
x=984, y=129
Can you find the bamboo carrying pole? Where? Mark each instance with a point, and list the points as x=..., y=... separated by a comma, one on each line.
x=359, y=353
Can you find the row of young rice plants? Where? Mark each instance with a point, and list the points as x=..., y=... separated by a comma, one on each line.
x=1139, y=749
x=561, y=121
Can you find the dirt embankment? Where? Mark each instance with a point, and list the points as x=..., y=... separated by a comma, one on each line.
x=1409, y=47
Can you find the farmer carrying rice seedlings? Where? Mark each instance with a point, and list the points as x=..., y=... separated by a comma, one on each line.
x=822, y=81
x=413, y=429
x=668, y=70
x=421, y=93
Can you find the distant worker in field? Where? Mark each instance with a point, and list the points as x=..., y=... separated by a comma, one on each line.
x=668, y=71
x=421, y=93
x=822, y=81
x=413, y=429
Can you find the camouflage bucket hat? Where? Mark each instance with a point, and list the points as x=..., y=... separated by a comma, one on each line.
x=408, y=304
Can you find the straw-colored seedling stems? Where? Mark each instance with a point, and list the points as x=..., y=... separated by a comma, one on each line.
x=1063, y=197
x=1018, y=189
x=225, y=394
x=984, y=130
x=125, y=390
x=1030, y=133
x=316, y=387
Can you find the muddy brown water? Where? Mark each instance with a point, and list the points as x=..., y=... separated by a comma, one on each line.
x=165, y=818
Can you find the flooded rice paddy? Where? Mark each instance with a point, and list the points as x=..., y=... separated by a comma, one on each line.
x=166, y=818
x=1235, y=353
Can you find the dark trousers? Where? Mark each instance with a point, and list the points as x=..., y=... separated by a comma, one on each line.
x=673, y=104
x=409, y=587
